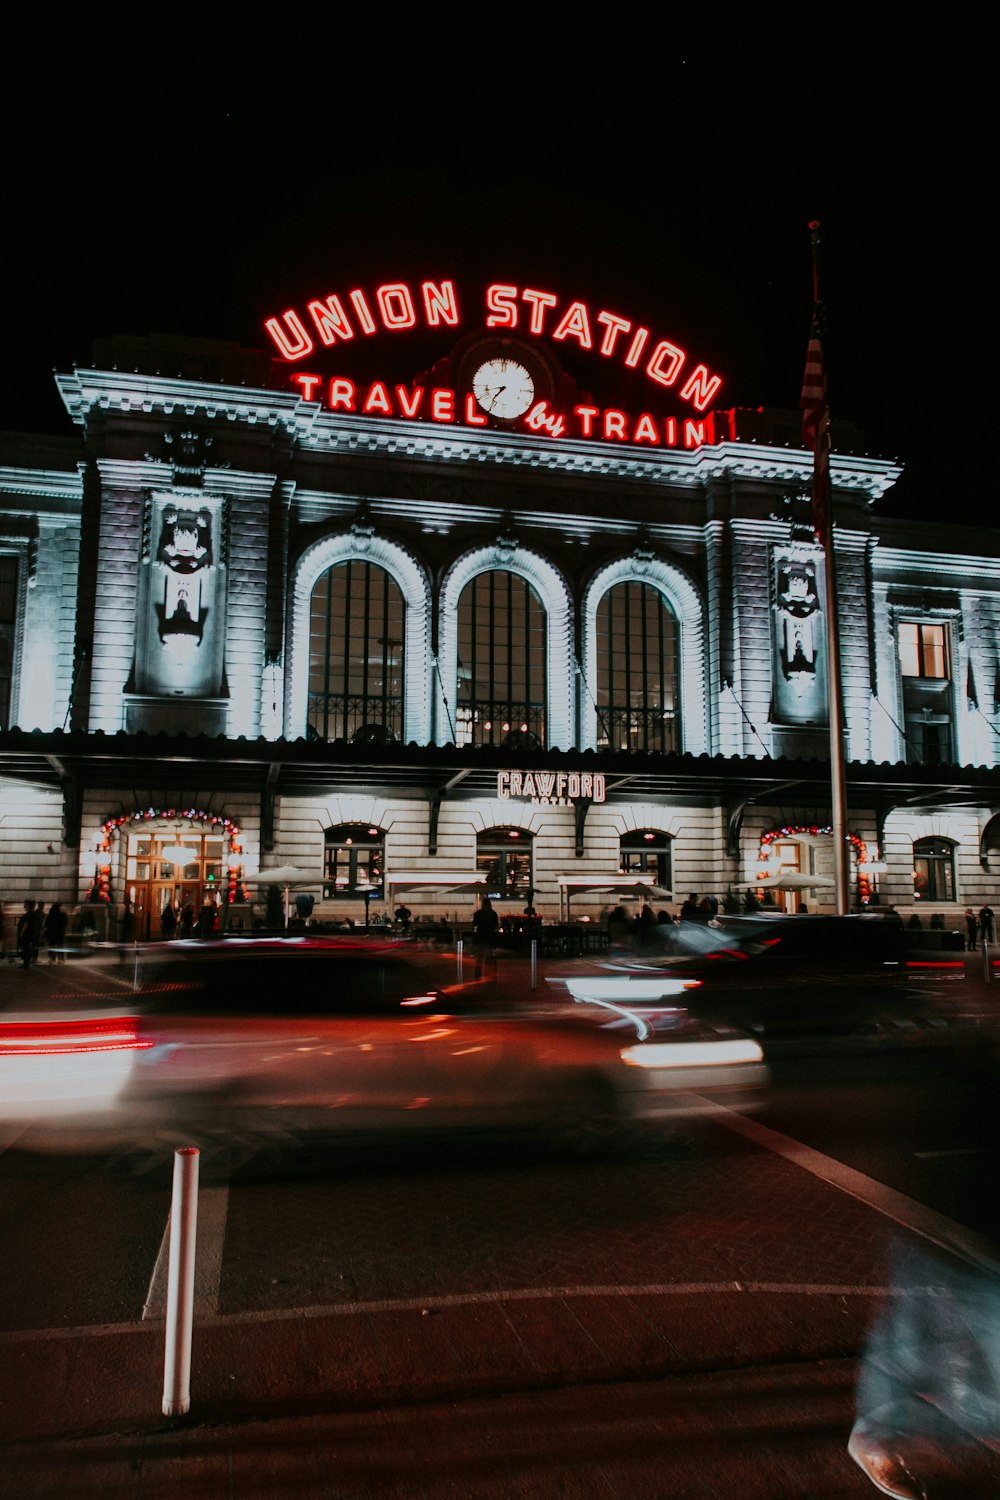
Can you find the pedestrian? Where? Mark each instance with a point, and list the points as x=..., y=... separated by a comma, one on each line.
x=206, y=918
x=187, y=919
x=617, y=927
x=26, y=934
x=55, y=932
x=39, y=926
x=914, y=923
x=689, y=910
x=485, y=924
x=929, y=1383
x=403, y=915
x=986, y=925
x=168, y=922
x=971, y=929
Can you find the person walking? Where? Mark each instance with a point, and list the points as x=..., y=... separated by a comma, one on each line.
x=971, y=930
x=168, y=922
x=39, y=930
x=987, y=925
x=55, y=931
x=26, y=933
x=485, y=924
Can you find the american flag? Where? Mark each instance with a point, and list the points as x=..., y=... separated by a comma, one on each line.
x=816, y=431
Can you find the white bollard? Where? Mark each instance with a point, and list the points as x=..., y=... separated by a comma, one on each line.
x=987, y=966
x=180, y=1283
x=458, y=961
x=534, y=963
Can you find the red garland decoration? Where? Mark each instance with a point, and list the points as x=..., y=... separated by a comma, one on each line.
x=101, y=889
x=815, y=829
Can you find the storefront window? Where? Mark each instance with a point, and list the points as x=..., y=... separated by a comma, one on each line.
x=647, y=852
x=356, y=637
x=353, y=861
x=501, y=662
x=503, y=856
x=637, y=688
x=933, y=870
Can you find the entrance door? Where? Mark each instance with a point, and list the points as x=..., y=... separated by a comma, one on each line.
x=152, y=878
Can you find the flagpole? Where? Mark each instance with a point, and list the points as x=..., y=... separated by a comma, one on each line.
x=823, y=519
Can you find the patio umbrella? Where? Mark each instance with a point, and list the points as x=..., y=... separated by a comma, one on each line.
x=794, y=880
x=283, y=875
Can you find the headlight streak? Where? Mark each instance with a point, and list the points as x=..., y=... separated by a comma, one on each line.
x=692, y=1054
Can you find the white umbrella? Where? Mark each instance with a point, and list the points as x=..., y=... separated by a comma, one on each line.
x=794, y=880
x=283, y=875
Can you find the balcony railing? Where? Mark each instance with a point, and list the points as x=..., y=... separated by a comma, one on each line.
x=496, y=723
x=349, y=716
x=624, y=728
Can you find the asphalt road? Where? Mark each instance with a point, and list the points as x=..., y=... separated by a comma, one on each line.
x=80, y=1237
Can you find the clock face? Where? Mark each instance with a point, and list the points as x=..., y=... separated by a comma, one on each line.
x=503, y=388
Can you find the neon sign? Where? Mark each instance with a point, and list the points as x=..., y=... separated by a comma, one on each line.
x=395, y=307
x=416, y=403
x=553, y=788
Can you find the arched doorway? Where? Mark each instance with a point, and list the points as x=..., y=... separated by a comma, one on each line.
x=193, y=861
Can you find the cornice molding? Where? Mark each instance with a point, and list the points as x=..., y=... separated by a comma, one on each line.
x=319, y=431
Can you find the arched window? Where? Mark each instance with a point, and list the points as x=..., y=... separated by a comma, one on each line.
x=647, y=852
x=356, y=638
x=637, y=690
x=503, y=855
x=353, y=861
x=501, y=691
x=933, y=870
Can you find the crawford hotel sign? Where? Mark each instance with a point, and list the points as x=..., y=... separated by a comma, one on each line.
x=502, y=377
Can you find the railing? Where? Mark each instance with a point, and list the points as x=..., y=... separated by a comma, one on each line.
x=346, y=716
x=500, y=723
x=624, y=728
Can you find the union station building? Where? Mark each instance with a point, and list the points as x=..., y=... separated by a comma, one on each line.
x=477, y=631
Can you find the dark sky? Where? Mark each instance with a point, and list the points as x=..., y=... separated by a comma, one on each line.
x=200, y=177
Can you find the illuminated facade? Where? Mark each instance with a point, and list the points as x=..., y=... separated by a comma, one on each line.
x=399, y=640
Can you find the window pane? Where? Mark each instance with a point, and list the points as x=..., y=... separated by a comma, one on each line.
x=909, y=658
x=933, y=641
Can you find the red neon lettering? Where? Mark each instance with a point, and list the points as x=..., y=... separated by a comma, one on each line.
x=694, y=433
x=503, y=308
x=539, y=302
x=700, y=387
x=331, y=320
x=341, y=394
x=672, y=431
x=645, y=430
x=575, y=324
x=540, y=418
x=364, y=316
x=655, y=369
x=439, y=303
x=473, y=416
x=307, y=382
x=635, y=349
x=614, y=326
x=378, y=399
x=409, y=405
x=292, y=348
x=443, y=406
x=396, y=306
x=614, y=424
x=586, y=415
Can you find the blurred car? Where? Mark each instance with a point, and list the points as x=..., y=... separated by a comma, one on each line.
x=811, y=981
x=253, y=1036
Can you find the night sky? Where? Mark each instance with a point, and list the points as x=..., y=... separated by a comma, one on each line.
x=199, y=177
